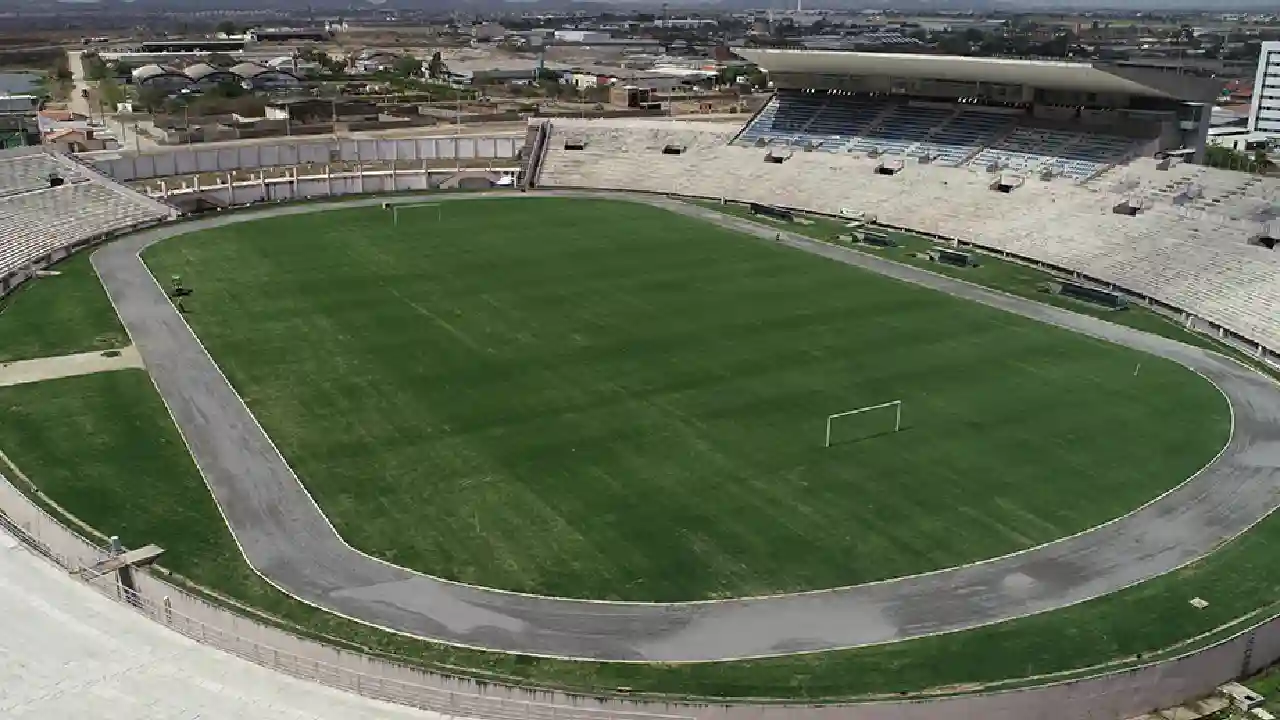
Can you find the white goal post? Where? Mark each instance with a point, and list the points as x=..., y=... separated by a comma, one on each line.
x=397, y=207
x=897, y=416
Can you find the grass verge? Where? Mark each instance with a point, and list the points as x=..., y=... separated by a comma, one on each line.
x=58, y=315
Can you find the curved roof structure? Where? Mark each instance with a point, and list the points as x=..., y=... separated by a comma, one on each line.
x=1047, y=74
x=200, y=71
x=147, y=72
x=248, y=70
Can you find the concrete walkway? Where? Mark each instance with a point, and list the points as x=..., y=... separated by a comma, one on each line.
x=70, y=653
x=20, y=372
x=287, y=538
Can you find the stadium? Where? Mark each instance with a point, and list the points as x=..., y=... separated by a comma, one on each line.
x=939, y=387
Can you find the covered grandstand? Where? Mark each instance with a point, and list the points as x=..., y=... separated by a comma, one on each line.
x=1076, y=151
x=1062, y=118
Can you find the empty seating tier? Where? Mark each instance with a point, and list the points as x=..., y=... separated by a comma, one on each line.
x=36, y=224
x=26, y=172
x=948, y=134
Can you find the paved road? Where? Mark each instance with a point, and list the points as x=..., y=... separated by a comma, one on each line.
x=127, y=135
x=288, y=540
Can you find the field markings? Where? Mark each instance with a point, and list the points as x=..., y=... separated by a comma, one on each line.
x=636, y=607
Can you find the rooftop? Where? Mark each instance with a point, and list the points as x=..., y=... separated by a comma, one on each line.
x=1048, y=74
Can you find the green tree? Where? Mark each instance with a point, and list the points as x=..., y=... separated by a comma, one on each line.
x=408, y=66
x=1227, y=158
x=226, y=27
x=436, y=69
x=110, y=94
x=1261, y=162
x=954, y=44
x=152, y=98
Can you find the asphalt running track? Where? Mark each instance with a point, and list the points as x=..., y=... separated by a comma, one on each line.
x=288, y=540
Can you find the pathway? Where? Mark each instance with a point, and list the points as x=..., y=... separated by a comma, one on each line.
x=20, y=372
x=69, y=652
x=288, y=539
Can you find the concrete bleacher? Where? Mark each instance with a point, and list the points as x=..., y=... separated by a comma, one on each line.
x=1199, y=262
x=1229, y=195
x=29, y=169
x=1075, y=155
x=951, y=135
x=38, y=223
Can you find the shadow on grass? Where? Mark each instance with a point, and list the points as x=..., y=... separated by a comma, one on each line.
x=873, y=436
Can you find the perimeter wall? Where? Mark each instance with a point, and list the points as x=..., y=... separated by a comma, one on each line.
x=194, y=160
x=1115, y=695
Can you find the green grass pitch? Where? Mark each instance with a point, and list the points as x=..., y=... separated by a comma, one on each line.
x=130, y=475
x=602, y=399
x=59, y=315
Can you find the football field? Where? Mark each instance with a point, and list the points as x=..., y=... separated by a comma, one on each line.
x=601, y=399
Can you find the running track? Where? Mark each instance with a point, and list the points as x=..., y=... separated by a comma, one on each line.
x=288, y=540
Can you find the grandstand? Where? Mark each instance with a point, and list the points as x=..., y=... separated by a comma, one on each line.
x=1073, y=120
x=51, y=205
x=1077, y=149
x=989, y=138
x=1186, y=256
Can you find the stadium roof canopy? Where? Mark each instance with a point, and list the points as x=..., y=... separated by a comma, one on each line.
x=1047, y=74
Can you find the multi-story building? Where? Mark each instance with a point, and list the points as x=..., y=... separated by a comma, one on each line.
x=1264, y=115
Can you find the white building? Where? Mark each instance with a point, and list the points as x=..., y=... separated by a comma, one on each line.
x=19, y=104
x=488, y=31
x=1264, y=116
x=584, y=37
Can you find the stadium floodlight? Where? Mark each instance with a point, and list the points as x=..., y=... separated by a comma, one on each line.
x=395, y=210
x=897, y=416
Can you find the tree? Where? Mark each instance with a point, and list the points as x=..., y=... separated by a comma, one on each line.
x=95, y=68
x=436, y=69
x=954, y=45
x=407, y=66
x=226, y=27
x=110, y=94
x=62, y=68
x=1220, y=156
x=1261, y=162
x=152, y=98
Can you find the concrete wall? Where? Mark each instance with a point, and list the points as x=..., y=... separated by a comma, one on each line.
x=352, y=183
x=193, y=160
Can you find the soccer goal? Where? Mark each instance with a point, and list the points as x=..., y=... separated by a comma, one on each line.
x=896, y=405
x=397, y=208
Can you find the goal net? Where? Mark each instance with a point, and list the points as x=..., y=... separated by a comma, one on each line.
x=863, y=422
x=397, y=208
